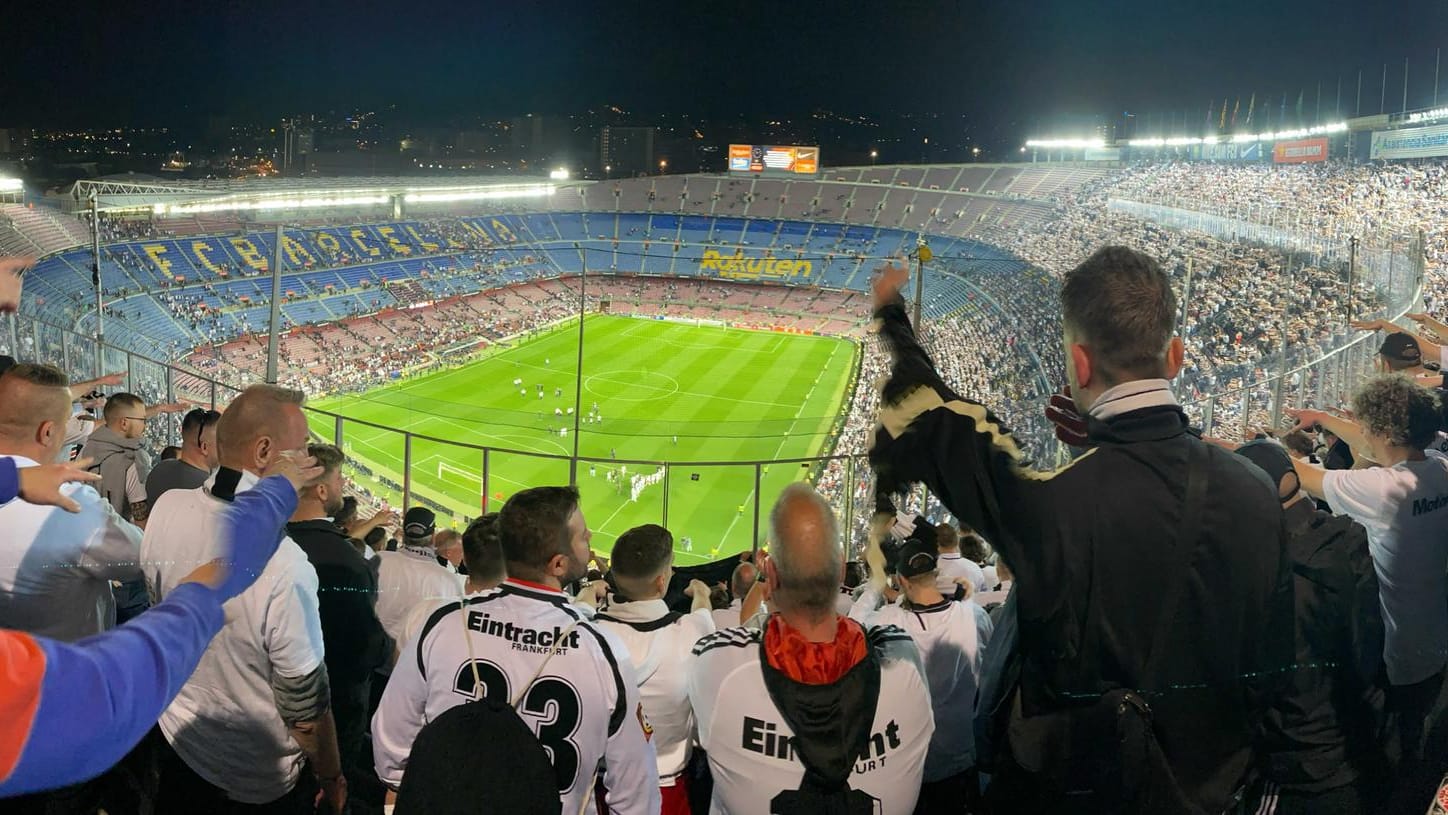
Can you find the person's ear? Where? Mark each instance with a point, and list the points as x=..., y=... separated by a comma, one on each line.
x=557, y=566
x=44, y=433
x=1081, y=362
x=1176, y=354
x=661, y=582
x=262, y=452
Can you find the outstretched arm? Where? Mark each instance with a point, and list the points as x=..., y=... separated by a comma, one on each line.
x=929, y=434
x=70, y=711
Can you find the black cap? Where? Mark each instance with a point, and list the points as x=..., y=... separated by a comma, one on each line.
x=1401, y=348
x=917, y=557
x=1272, y=459
x=920, y=550
x=419, y=522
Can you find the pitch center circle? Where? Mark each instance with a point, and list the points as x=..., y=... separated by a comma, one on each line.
x=631, y=386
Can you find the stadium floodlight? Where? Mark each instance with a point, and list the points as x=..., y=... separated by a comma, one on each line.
x=1428, y=115
x=485, y=194
x=560, y=174
x=289, y=202
x=11, y=185
x=1067, y=144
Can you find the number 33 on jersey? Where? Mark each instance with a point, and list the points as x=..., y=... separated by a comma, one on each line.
x=571, y=683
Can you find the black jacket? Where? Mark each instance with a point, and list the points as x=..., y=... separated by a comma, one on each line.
x=355, y=641
x=1321, y=732
x=1091, y=547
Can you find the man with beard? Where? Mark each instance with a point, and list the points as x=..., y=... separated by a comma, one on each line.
x=525, y=645
x=353, y=637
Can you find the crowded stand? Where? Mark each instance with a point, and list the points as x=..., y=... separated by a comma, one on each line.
x=1050, y=600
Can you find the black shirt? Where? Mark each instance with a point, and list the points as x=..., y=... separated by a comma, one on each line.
x=1321, y=731
x=355, y=641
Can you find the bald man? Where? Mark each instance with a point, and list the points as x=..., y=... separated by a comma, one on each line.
x=254, y=723
x=55, y=566
x=743, y=579
x=811, y=691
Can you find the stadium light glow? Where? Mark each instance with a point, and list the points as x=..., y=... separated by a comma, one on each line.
x=324, y=199
x=269, y=204
x=1066, y=144
x=1244, y=138
x=560, y=174
x=536, y=191
x=11, y=185
x=1428, y=115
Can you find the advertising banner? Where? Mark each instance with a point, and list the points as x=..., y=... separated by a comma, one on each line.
x=1410, y=142
x=761, y=159
x=1300, y=151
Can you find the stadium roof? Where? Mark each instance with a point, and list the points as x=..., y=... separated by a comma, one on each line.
x=166, y=197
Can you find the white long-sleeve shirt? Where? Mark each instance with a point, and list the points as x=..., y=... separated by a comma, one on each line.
x=583, y=704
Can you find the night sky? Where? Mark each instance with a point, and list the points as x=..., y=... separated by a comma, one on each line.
x=1015, y=62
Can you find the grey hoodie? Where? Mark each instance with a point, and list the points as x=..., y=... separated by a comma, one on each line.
x=114, y=455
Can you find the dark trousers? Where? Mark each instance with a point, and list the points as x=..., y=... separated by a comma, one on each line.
x=1346, y=800
x=1417, y=765
x=183, y=791
x=955, y=795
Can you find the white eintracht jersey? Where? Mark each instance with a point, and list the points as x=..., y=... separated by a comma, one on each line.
x=951, y=638
x=660, y=642
x=583, y=706
x=751, y=747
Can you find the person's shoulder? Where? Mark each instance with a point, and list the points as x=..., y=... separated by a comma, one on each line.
x=734, y=640
x=700, y=622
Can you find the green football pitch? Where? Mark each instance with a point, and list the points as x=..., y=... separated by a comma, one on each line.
x=661, y=391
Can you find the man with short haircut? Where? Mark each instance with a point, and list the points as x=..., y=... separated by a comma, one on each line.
x=953, y=567
x=1321, y=754
x=951, y=637
x=194, y=464
x=356, y=644
x=815, y=712
x=55, y=566
x=744, y=577
x=483, y=554
x=411, y=576
x=253, y=725
x=115, y=448
x=1118, y=556
x=1403, y=503
x=524, y=644
x=658, y=641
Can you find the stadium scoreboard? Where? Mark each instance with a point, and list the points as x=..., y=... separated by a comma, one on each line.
x=773, y=160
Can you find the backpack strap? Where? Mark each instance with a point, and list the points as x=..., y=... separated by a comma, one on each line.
x=1186, y=545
